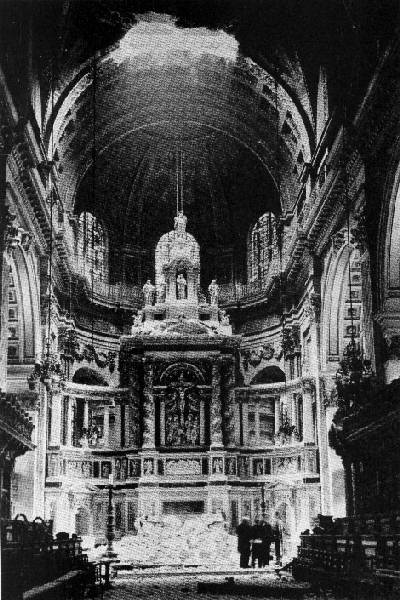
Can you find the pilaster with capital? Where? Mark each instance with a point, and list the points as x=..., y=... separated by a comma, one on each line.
x=132, y=436
x=277, y=411
x=55, y=422
x=216, y=408
x=148, y=414
x=308, y=422
x=4, y=225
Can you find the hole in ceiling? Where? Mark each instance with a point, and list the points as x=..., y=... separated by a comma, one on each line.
x=159, y=36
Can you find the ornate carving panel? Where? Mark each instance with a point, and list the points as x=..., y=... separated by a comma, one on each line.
x=183, y=467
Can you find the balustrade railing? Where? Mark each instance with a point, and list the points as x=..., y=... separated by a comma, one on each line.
x=117, y=293
x=132, y=296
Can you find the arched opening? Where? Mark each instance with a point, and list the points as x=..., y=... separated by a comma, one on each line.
x=87, y=376
x=271, y=374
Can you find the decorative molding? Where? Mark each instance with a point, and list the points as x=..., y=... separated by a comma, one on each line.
x=70, y=351
x=183, y=467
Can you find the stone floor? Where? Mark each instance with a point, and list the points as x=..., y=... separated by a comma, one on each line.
x=184, y=587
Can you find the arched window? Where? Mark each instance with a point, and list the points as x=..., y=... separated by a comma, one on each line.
x=262, y=250
x=92, y=246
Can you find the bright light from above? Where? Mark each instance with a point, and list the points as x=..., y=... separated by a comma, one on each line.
x=158, y=36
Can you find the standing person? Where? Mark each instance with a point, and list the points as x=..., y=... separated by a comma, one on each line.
x=244, y=536
x=256, y=552
x=267, y=537
x=278, y=532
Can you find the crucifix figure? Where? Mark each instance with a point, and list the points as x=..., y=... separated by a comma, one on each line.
x=181, y=286
x=182, y=425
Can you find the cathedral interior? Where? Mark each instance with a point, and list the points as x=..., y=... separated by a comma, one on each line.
x=200, y=282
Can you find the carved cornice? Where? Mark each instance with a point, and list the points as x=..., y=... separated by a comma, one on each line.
x=96, y=392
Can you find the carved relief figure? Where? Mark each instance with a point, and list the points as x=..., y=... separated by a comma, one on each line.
x=243, y=466
x=230, y=465
x=134, y=468
x=148, y=467
x=217, y=465
x=181, y=285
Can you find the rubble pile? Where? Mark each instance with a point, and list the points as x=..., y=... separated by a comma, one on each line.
x=200, y=541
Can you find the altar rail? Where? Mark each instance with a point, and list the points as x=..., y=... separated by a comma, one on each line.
x=31, y=557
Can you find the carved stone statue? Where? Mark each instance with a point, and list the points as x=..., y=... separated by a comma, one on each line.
x=161, y=289
x=181, y=285
x=213, y=290
x=148, y=291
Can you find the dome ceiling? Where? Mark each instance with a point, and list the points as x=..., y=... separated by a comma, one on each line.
x=233, y=85
x=165, y=89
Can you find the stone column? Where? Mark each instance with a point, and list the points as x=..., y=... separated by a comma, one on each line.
x=355, y=473
x=106, y=426
x=308, y=423
x=162, y=422
x=148, y=406
x=55, y=431
x=277, y=414
x=294, y=414
x=348, y=482
x=315, y=368
x=135, y=371
x=127, y=424
x=70, y=421
x=257, y=421
x=216, y=408
x=40, y=453
x=86, y=413
x=117, y=429
x=202, y=421
x=245, y=422
x=229, y=404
